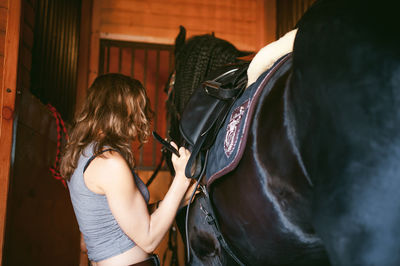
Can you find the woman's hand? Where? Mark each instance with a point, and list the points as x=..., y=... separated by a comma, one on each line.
x=180, y=162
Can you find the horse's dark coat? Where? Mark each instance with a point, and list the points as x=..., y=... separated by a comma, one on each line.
x=265, y=200
x=345, y=106
x=263, y=214
x=334, y=119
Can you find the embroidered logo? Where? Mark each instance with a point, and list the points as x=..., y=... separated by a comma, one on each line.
x=233, y=128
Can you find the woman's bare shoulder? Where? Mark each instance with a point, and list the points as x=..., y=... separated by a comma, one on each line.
x=111, y=159
x=108, y=170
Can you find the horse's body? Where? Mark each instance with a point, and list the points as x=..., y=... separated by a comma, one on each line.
x=318, y=180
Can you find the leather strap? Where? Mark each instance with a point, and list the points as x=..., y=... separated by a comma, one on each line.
x=151, y=261
x=210, y=218
x=215, y=90
x=216, y=87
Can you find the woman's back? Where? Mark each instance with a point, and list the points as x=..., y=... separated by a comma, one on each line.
x=103, y=236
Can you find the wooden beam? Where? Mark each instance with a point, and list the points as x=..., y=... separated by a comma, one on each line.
x=84, y=53
x=242, y=23
x=94, y=42
x=7, y=104
x=269, y=22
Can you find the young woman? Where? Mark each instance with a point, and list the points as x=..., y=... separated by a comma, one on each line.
x=109, y=200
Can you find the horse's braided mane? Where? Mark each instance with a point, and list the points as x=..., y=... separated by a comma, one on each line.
x=199, y=57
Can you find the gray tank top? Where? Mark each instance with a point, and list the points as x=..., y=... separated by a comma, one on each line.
x=103, y=236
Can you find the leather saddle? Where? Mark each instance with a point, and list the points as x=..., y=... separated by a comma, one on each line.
x=206, y=111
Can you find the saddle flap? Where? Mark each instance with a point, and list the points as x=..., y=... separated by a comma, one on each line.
x=208, y=104
x=199, y=115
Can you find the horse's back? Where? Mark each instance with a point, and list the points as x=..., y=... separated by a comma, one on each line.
x=263, y=205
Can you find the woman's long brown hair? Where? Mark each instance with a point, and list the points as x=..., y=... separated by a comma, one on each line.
x=116, y=112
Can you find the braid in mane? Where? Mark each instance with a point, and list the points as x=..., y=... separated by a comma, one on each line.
x=200, y=56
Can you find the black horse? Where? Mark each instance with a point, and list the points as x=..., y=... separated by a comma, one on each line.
x=318, y=180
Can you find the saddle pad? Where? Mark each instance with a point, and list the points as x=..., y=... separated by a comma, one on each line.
x=229, y=144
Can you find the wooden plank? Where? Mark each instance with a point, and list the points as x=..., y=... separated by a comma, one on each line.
x=139, y=74
x=26, y=57
x=52, y=233
x=166, y=21
x=163, y=74
x=178, y=4
x=2, y=43
x=24, y=77
x=114, y=60
x=244, y=41
x=4, y=3
x=3, y=18
x=126, y=61
x=239, y=12
x=29, y=14
x=1, y=67
x=84, y=52
x=94, y=42
x=8, y=92
x=268, y=24
x=244, y=23
x=150, y=76
x=27, y=34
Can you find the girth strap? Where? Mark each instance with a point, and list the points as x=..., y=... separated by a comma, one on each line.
x=210, y=218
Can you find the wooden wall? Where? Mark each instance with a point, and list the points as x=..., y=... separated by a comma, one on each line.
x=9, y=39
x=288, y=13
x=248, y=24
x=242, y=22
x=3, y=25
x=40, y=225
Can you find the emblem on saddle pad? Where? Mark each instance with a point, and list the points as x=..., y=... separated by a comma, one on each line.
x=233, y=128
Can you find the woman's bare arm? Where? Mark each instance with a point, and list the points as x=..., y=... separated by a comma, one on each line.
x=111, y=175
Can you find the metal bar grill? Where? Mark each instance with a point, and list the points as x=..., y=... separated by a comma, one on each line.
x=55, y=54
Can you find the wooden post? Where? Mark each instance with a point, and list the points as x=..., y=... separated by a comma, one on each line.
x=94, y=42
x=7, y=104
x=84, y=52
x=269, y=22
